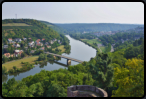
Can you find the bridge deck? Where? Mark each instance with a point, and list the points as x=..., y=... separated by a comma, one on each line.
x=65, y=57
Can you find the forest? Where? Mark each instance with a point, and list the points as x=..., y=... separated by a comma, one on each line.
x=96, y=27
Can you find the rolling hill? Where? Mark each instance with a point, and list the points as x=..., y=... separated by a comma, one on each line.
x=27, y=28
x=95, y=27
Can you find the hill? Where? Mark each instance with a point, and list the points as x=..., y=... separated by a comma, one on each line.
x=95, y=27
x=54, y=27
x=27, y=28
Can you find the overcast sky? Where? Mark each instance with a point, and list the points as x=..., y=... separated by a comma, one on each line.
x=76, y=12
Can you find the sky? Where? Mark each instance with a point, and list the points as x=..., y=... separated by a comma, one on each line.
x=76, y=12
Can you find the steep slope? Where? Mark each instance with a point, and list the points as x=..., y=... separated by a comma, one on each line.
x=27, y=28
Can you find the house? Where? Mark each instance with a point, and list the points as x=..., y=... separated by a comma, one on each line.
x=7, y=55
x=39, y=44
x=46, y=43
x=5, y=46
x=55, y=39
x=13, y=42
x=17, y=45
x=12, y=45
x=42, y=48
x=19, y=40
x=38, y=40
x=51, y=42
x=32, y=51
x=43, y=39
x=12, y=55
x=31, y=44
x=24, y=39
x=48, y=46
x=58, y=41
x=17, y=52
x=9, y=39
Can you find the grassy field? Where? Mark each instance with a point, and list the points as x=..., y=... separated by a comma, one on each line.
x=61, y=47
x=95, y=41
x=17, y=63
x=92, y=41
x=15, y=24
x=103, y=48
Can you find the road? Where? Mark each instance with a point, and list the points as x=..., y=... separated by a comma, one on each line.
x=98, y=45
x=112, y=49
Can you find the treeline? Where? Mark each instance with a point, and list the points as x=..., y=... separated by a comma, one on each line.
x=128, y=43
x=95, y=27
x=116, y=38
x=82, y=36
x=55, y=27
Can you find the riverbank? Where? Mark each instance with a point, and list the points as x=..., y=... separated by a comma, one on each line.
x=93, y=46
x=17, y=63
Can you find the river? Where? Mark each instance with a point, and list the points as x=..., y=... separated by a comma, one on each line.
x=79, y=50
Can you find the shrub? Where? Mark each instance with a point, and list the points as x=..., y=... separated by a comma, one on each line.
x=14, y=67
x=4, y=70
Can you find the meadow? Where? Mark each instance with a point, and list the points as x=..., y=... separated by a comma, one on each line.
x=90, y=42
x=17, y=63
x=61, y=47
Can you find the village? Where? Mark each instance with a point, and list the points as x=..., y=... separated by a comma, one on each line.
x=16, y=44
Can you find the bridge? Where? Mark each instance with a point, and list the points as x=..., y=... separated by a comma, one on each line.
x=68, y=58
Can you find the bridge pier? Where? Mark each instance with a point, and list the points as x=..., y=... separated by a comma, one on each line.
x=68, y=62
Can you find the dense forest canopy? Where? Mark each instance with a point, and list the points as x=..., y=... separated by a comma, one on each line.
x=95, y=27
x=55, y=27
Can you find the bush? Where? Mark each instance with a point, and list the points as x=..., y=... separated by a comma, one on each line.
x=11, y=71
x=14, y=67
x=22, y=62
x=4, y=70
x=18, y=69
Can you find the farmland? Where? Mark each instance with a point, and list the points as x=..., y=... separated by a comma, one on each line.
x=16, y=24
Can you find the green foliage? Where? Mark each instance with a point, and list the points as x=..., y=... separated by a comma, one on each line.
x=4, y=70
x=81, y=27
x=130, y=80
x=102, y=71
x=56, y=90
x=42, y=57
x=14, y=67
x=108, y=49
x=40, y=31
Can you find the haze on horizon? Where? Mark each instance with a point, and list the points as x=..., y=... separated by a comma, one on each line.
x=76, y=12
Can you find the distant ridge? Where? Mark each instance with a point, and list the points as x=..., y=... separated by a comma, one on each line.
x=95, y=27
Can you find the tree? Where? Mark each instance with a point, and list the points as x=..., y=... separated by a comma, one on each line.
x=23, y=54
x=4, y=70
x=4, y=59
x=55, y=90
x=102, y=71
x=130, y=80
x=14, y=67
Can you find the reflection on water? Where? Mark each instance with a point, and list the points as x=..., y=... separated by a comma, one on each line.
x=79, y=51
x=6, y=77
